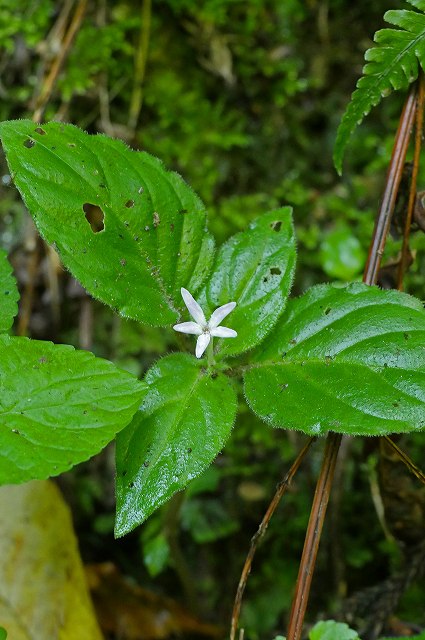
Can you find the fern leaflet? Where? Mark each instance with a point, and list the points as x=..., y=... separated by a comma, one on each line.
x=391, y=64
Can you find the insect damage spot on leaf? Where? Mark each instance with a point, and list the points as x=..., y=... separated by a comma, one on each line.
x=29, y=143
x=129, y=204
x=94, y=216
x=275, y=271
x=276, y=226
x=40, y=131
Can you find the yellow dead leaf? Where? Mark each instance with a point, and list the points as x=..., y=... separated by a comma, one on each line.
x=43, y=593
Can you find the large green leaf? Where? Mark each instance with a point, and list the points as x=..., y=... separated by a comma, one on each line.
x=254, y=268
x=132, y=232
x=184, y=421
x=8, y=294
x=58, y=407
x=349, y=360
x=393, y=63
x=43, y=589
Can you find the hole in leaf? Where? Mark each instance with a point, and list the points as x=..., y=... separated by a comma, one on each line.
x=71, y=144
x=140, y=190
x=276, y=226
x=129, y=204
x=29, y=143
x=40, y=131
x=327, y=311
x=94, y=216
x=275, y=271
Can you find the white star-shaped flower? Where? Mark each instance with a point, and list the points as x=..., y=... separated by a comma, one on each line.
x=205, y=330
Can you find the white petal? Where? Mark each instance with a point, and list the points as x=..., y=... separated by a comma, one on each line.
x=220, y=313
x=201, y=344
x=223, y=332
x=193, y=307
x=188, y=327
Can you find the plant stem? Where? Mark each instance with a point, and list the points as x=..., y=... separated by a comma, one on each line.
x=280, y=491
x=392, y=184
x=413, y=182
x=49, y=81
x=210, y=353
x=312, y=538
x=140, y=65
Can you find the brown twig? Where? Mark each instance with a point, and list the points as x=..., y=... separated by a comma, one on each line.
x=393, y=179
x=312, y=538
x=48, y=84
x=376, y=250
x=280, y=491
x=413, y=188
x=407, y=461
x=50, y=80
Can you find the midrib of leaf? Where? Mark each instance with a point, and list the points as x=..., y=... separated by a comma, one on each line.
x=324, y=390
x=145, y=255
x=334, y=359
x=255, y=270
x=304, y=335
x=380, y=76
x=83, y=176
x=182, y=407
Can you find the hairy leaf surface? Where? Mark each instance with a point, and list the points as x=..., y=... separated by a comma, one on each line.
x=8, y=294
x=129, y=230
x=184, y=421
x=58, y=407
x=254, y=268
x=349, y=360
x=393, y=63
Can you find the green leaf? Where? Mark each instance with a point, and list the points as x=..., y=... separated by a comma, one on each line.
x=156, y=552
x=43, y=590
x=349, y=360
x=331, y=630
x=207, y=520
x=129, y=230
x=9, y=295
x=391, y=64
x=341, y=253
x=183, y=423
x=3, y=633
x=58, y=407
x=254, y=268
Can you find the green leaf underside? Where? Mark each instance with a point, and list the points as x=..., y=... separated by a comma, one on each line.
x=9, y=295
x=254, y=268
x=58, y=407
x=185, y=419
x=153, y=239
x=350, y=360
x=391, y=64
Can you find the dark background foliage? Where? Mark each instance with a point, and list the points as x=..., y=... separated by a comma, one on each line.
x=243, y=99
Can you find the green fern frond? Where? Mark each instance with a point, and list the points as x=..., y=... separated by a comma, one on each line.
x=392, y=63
